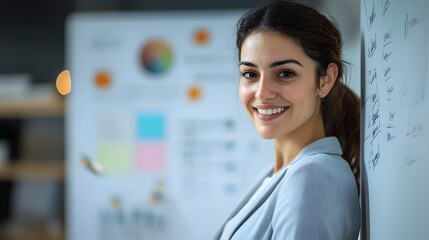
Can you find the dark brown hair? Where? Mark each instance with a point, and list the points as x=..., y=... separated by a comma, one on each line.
x=321, y=40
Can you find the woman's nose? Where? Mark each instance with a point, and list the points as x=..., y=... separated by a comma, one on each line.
x=265, y=89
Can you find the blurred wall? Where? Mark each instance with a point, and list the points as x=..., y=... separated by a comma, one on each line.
x=32, y=32
x=32, y=37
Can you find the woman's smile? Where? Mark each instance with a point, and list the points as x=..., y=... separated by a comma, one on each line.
x=268, y=113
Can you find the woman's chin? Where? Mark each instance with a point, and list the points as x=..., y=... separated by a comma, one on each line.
x=267, y=135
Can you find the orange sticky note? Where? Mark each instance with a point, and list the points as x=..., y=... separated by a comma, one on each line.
x=64, y=82
x=103, y=79
x=202, y=36
x=195, y=93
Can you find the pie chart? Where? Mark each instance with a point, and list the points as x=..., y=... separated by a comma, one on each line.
x=156, y=56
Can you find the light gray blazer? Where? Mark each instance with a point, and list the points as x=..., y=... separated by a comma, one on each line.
x=314, y=197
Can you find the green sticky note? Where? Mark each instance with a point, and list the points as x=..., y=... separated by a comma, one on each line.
x=115, y=157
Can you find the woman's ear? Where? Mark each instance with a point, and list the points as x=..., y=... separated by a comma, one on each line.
x=328, y=80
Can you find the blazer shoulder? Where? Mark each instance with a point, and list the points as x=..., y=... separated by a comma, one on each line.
x=323, y=164
x=321, y=171
x=320, y=195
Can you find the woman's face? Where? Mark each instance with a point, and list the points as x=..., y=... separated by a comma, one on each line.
x=278, y=86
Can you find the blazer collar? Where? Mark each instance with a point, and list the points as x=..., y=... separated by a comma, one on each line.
x=326, y=145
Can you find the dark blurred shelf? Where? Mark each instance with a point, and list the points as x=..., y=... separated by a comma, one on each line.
x=31, y=233
x=30, y=107
x=32, y=171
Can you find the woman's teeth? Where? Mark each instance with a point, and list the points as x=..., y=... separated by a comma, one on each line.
x=271, y=111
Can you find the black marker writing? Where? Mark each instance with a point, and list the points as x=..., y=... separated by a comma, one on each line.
x=366, y=138
x=387, y=38
x=410, y=160
x=372, y=76
x=392, y=116
x=372, y=16
x=375, y=156
x=409, y=24
x=414, y=129
x=412, y=95
x=375, y=116
x=389, y=92
x=386, y=56
x=390, y=136
x=387, y=73
x=385, y=6
x=375, y=132
x=373, y=46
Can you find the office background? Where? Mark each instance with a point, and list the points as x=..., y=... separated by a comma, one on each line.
x=32, y=52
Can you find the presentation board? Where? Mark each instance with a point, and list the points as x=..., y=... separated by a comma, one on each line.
x=395, y=119
x=154, y=103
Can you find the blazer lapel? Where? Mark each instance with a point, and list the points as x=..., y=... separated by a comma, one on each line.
x=245, y=199
x=259, y=200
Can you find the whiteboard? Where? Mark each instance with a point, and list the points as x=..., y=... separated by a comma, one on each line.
x=395, y=121
x=154, y=101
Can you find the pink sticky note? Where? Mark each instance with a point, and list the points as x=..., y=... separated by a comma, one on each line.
x=150, y=156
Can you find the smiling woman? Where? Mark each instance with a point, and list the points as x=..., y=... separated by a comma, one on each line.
x=281, y=76
x=290, y=86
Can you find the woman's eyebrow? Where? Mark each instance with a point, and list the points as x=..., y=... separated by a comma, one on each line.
x=249, y=64
x=274, y=64
x=286, y=61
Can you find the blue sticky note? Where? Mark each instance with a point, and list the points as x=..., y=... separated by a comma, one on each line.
x=151, y=126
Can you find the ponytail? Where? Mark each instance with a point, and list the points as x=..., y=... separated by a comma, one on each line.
x=341, y=117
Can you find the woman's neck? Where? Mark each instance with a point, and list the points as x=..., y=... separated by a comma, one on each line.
x=287, y=147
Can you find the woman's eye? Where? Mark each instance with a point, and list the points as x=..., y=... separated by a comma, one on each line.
x=286, y=74
x=248, y=75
